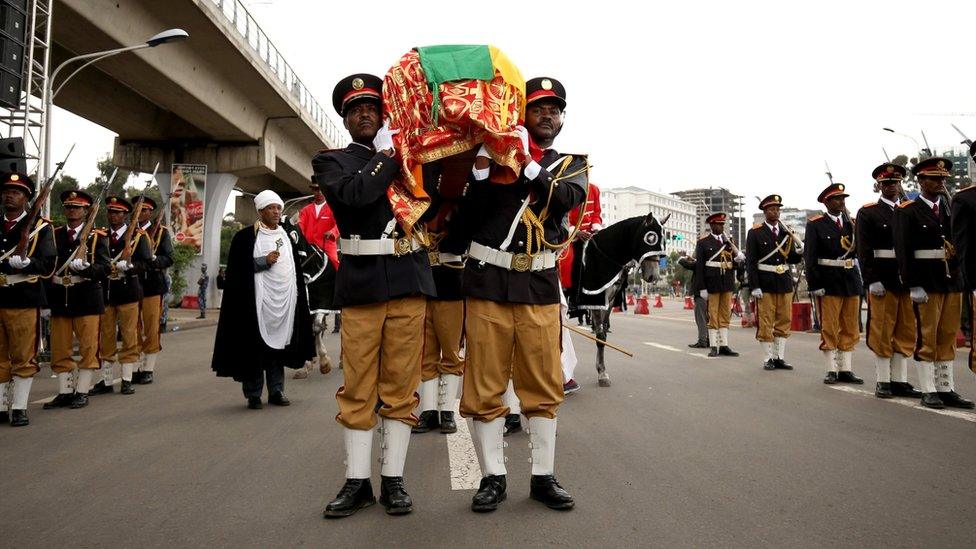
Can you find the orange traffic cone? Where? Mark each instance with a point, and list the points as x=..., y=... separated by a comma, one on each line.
x=630, y=299
x=657, y=301
x=961, y=340
x=689, y=302
x=617, y=309
x=641, y=308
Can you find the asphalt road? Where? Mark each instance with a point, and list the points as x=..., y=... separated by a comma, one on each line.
x=682, y=451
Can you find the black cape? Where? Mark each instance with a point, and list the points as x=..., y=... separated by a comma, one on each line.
x=238, y=347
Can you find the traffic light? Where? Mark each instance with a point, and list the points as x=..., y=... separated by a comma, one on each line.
x=13, y=37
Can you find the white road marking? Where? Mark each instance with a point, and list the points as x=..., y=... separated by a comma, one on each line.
x=911, y=403
x=677, y=350
x=465, y=469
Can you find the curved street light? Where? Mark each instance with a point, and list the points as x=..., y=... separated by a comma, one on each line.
x=918, y=146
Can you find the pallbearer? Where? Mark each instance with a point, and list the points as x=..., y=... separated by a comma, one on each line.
x=123, y=293
x=770, y=250
x=716, y=256
x=833, y=278
x=21, y=294
x=891, y=320
x=153, y=281
x=964, y=238
x=929, y=267
x=74, y=295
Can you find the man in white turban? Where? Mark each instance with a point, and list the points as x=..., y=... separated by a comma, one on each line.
x=264, y=323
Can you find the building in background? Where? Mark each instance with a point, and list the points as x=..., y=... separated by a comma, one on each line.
x=794, y=218
x=717, y=199
x=626, y=202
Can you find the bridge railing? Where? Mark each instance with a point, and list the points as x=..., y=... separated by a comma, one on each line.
x=238, y=16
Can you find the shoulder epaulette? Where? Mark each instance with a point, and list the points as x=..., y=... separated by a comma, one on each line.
x=703, y=237
x=869, y=204
x=815, y=218
x=964, y=189
x=906, y=203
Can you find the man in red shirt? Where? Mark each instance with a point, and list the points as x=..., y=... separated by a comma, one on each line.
x=319, y=227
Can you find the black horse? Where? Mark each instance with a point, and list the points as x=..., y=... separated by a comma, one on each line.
x=607, y=258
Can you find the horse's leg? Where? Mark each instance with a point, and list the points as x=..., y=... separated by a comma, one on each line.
x=597, y=319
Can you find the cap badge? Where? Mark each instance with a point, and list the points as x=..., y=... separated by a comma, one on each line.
x=941, y=165
x=73, y=195
x=840, y=187
x=890, y=169
x=113, y=200
x=777, y=198
x=357, y=83
x=546, y=84
x=15, y=177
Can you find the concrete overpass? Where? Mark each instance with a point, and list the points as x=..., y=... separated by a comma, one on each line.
x=225, y=98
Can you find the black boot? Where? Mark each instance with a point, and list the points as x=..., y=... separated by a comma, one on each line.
x=904, y=389
x=830, y=378
x=699, y=345
x=428, y=421
x=127, y=388
x=490, y=494
x=883, y=390
x=254, y=403
x=781, y=364
x=713, y=352
x=101, y=388
x=769, y=365
x=80, y=400
x=146, y=378
x=513, y=424
x=18, y=418
x=849, y=377
x=932, y=400
x=447, y=423
x=392, y=495
x=63, y=400
x=278, y=399
x=137, y=378
x=544, y=488
x=355, y=494
x=952, y=399
x=725, y=350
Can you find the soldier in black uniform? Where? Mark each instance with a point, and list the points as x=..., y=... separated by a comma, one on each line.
x=74, y=295
x=930, y=269
x=123, y=294
x=715, y=259
x=380, y=287
x=770, y=250
x=964, y=238
x=891, y=320
x=833, y=278
x=443, y=360
x=153, y=281
x=21, y=293
x=512, y=291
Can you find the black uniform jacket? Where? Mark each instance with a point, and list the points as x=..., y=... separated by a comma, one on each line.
x=823, y=241
x=759, y=243
x=83, y=298
x=42, y=253
x=355, y=180
x=713, y=279
x=454, y=240
x=875, y=232
x=917, y=228
x=964, y=233
x=487, y=213
x=153, y=278
x=239, y=349
x=125, y=288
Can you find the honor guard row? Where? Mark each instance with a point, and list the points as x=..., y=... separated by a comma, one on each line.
x=717, y=257
x=90, y=282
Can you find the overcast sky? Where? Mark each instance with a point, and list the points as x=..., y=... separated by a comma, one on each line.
x=752, y=96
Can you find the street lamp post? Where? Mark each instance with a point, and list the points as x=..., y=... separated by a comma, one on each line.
x=44, y=167
x=918, y=146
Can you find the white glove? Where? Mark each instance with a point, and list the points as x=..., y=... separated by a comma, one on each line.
x=799, y=248
x=524, y=136
x=819, y=292
x=481, y=175
x=918, y=295
x=757, y=293
x=18, y=262
x=77, y=265
x=740, y=258
x=877, y=289
x=703, y=294
x=123, y=265
x=384, y=137
x=533, y=168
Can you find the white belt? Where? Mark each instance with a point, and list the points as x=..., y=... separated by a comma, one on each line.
x=382, y=246
x=68, y=280
x=439, y=258
x=845, y=263
x=930, y=254
x=719, y=264
x=884, y=254
x=778, y=269
x=513, y=262
x=10, y=280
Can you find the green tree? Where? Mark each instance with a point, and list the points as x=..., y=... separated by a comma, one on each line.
x=183, y=254
x=64, y=182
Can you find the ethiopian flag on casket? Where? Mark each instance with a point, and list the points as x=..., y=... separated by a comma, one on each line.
x=446, y=101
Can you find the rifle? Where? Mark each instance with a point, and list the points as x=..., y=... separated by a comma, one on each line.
x=157, y=222
x=134, y=221
x=39, y=201
x=965, y=139
x=82, y=250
